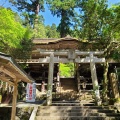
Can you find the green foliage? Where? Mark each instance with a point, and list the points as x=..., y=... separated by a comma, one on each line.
x=24, y=52
x=92, y=19
x=36, y=24
x=116, y=21
x=114, y=34
x=55, y=5
x=30, y=10
x=67, y=70
x=11, y=31
x=96, y=22
x=116, y=55
x=15, y=39
x=39, y=31
x=51, y=31
x=28, y=19
x=28, y=5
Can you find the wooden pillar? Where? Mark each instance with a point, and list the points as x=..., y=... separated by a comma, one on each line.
x=50, y=80
x=94, y=78
x=14, y=101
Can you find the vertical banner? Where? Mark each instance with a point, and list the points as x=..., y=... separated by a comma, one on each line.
x=30, y=92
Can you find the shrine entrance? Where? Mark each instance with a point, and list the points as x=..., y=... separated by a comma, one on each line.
x=46, y=56
x=67, y=86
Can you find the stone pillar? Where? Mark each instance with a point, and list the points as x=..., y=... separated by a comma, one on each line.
x=58, y=80
x=94, y=78
x=114, y=85
x=78, y=76
x=58, y=74
x=50, y=80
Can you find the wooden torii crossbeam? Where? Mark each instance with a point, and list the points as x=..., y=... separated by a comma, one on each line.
x=11, y=73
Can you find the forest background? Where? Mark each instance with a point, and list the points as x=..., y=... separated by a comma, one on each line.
x=87, y=20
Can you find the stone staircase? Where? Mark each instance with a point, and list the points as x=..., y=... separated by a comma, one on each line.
x=74, y=110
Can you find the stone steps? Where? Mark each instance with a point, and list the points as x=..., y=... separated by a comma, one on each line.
x=76, y=118
x=74, y=107
x=74, y=110
x=77, y=111
x=65, y=114
x=65, y=104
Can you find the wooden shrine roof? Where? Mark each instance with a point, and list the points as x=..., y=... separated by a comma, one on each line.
x=52, y=40
x=11, y=70
x=67, y=42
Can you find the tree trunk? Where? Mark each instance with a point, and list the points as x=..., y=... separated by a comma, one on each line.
x=62, y=25
x=105, y=82
x=37, y=9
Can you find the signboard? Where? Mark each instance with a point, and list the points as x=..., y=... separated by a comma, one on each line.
x=30, y=92
x=71, y=54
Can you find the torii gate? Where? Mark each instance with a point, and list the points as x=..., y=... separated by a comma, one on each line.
x=73, y=55
x=63, y=50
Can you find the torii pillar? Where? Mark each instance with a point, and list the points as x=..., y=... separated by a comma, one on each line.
x=50, y=79
x=94, y=78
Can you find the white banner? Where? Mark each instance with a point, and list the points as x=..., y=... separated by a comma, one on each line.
x=30, y=92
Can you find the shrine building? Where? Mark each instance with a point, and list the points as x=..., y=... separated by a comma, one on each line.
x=87, y=57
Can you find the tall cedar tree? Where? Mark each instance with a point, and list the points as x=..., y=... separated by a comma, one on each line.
x=65, y=10
x=31, y=6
